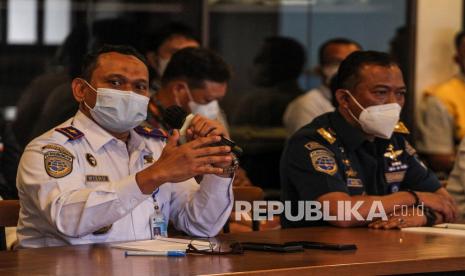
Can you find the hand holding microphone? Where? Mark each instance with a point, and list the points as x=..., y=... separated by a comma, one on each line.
x=177, y=118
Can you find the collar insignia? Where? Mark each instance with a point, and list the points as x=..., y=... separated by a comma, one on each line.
x=326, y=135
x=71, y=132
x=401, y=128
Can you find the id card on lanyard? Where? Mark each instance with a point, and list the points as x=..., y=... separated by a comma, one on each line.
x=157, y=223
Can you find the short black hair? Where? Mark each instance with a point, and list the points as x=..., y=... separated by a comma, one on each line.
x=348, y=73
x=282, y=57
x=338, y=40
x=195, y=66
x=90, y=60
x=458, y=39
x=168, y=31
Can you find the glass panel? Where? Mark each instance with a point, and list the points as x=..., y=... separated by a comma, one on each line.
x=238, y=29
x=22, y=22
x=57, y=21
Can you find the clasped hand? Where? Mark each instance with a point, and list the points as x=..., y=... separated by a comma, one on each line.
x=196, y=157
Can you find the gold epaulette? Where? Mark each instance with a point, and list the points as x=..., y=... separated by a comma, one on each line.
x=326, y=135
x=401, y=128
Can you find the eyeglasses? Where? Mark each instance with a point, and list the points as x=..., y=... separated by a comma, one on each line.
x=214, y=247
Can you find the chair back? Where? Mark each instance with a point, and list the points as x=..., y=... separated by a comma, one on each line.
x=9, y=214
x=249, y=194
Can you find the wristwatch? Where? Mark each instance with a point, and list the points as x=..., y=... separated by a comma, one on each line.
x=235, y=164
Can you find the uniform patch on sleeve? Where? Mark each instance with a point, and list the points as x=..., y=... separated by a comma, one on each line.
x=57, y=148
x=58, y=163
x=323, y=161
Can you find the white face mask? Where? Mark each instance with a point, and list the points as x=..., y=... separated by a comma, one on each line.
x=118, y=111
x=162, y=64
x=329, y=71
x=378, y=120
x=210, y=110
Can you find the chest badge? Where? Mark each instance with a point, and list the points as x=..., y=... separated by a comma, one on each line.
x=91, y=159
x=148, y=159
x=392, y=154
x=349, y=171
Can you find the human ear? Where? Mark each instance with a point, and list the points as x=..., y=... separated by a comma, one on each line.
x=342, y=98
x=79, y=92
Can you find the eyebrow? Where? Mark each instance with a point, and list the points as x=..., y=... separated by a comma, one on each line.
x=388, y=87
x=124, y=77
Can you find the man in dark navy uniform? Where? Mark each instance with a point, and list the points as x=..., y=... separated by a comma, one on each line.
x=360, y=153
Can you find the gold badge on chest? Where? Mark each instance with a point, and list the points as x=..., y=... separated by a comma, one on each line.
x=148, y=159
x=91, y=159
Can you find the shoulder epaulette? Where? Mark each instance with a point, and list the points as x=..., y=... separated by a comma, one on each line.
x=326, y=135
x=151, y=132
x=71, y=132
x=401, y=128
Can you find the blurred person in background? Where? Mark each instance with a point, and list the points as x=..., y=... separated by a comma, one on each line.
x=441, y=123
x=317, y=101
x=276, y=69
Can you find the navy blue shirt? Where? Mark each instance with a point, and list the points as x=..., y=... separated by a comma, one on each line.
x=330, y=155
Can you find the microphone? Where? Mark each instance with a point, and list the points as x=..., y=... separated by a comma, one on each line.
x=177, y=118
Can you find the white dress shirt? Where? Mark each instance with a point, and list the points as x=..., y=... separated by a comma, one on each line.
x=69, y=209
x=305, y=108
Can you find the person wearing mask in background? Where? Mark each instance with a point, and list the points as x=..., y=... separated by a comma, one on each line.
x=317, y=101
x=161, y=46
x=442, y=111
x=276, y=69
x=99, y=177
x=195, y=79
x=359, y=153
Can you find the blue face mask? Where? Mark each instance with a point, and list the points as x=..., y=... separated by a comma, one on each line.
x=118, y=111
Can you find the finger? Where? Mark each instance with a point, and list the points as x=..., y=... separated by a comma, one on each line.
x=220, y=150
x=196, y=119
x=207, y=169
x=197, y=123
x=213, y=159
x=222, y=164
x=378, y=224
x=172, y=140
x=204, y=141
x=208, y=129
x=201, y=128
x=189, y=134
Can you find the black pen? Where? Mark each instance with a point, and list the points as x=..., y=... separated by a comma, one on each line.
x=323, y=245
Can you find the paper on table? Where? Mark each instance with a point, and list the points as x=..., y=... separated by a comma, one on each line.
x=435, y=230
x=458, y=226
x=162, y=244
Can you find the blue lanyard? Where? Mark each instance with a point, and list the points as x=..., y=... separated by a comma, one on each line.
x=154, y=194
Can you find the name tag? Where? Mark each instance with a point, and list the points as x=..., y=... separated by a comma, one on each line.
x=394, y=177
x=354, y=183
x=97, y=178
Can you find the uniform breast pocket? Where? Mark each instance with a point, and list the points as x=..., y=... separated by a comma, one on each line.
x=394, y=179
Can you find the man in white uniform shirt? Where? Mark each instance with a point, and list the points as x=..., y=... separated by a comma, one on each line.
x=91, y=179
x=318, y=101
